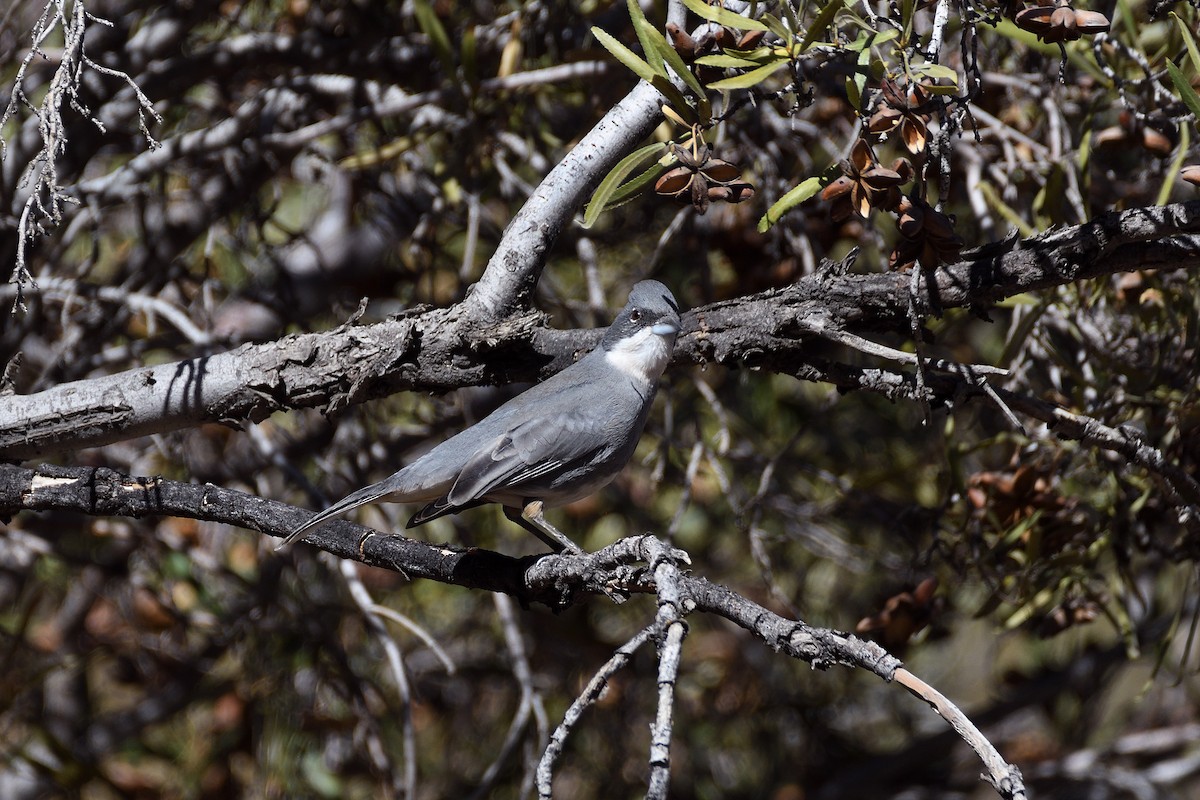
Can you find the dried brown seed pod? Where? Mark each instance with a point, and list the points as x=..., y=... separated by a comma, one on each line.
x=1156, y=141
x=1035, y=19
x=750, y=40
x=1091, y=22
x=720, y=171
x=682, y=41
x=674, y=182
x=838, y=188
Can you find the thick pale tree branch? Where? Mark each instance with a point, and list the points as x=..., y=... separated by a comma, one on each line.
x=513, y=270
x=443, y=349
x=555, y=580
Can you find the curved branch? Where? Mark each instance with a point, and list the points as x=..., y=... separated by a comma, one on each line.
x=508, y=280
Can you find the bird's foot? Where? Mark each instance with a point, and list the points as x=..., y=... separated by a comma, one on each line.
x=622, y=560
x=647, y=549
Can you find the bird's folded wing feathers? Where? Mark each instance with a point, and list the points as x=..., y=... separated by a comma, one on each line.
x=527, y=451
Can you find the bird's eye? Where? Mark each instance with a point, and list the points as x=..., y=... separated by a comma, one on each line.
x=635, y=316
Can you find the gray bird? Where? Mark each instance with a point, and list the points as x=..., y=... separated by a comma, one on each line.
x=555, y=443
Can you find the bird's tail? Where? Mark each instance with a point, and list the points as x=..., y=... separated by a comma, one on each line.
x=363, y=496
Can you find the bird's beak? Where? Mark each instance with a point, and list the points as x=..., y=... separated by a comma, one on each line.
x=665, y=328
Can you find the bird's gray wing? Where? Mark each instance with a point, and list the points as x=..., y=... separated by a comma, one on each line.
x=527, y=451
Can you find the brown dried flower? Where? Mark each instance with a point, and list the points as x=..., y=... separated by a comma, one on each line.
x=701, y=179
x=903, y=109
x=926, y=235
x=1060, y=23
x=865, y=184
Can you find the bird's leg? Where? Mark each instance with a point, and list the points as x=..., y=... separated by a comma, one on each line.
x=530, y=518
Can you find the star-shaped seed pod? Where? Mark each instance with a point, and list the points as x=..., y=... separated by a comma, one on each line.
x=905, y=109
x=1056, y=21
x=926, y=235
x=701, y=179
x=865, y=184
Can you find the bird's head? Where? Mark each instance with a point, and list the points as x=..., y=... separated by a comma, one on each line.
x=641, y=338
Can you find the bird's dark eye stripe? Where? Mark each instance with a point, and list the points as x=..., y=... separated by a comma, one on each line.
x=671, y=302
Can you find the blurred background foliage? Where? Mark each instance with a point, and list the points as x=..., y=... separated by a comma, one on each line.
x=1046, y=586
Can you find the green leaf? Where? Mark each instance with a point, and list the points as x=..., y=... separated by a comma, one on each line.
x=993, y=199
x=643, y=29
x=1186, y=92
x=723, y=17
x=807, y=188
x=467, y=57
x=632, y=188
x=939, y=72
x=1164, y=191
x=751, y=78
x=603, y=196
x=776, y=26
x=883, y=37
x=907, y=9
x=666, y=53
x=823, y=21
x=854, y=88
x=1189, y=41
x=624, y=55
x=675, y=98
x=856, y=83
x=725, y=61
x=431, y=26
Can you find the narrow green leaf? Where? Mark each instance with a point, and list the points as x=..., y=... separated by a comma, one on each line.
x=612, y=181
x=624, y=55
x=883, y=37
x=856, y=83
x=993, y=199
x=941, y=89
x=725, y=61
x=722, y=16
x=776, y=26
x=1189, y=41
x=807, y=188
x=907, y=15
x=666, y=53
x=939, y=72
x=854, y=88
x=641, y=26
x=1172, y=173
x=675, y=98
x=1186, y=92
x=751, y=78
x=431, y=26
x=791, y=21
x=823, y=21
x=467, y=57
x=632, y=188
x=861, y=42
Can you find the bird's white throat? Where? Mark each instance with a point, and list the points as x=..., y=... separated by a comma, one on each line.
x=642, y=356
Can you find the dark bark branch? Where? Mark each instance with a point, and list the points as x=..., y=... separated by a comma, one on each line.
x=443, y=349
